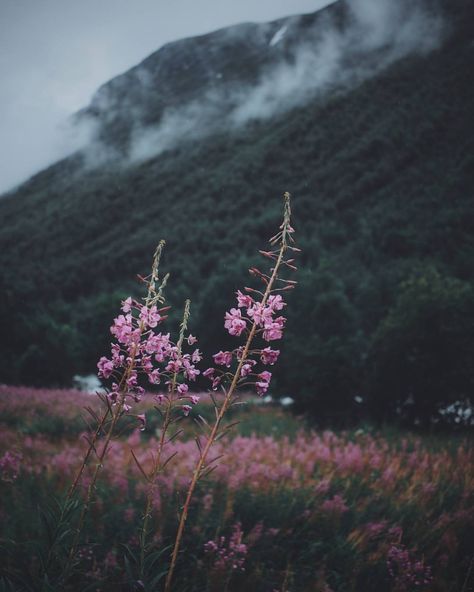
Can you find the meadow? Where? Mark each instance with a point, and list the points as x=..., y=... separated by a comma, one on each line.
x=180, y=476
x=156, y=485
x=287, y=508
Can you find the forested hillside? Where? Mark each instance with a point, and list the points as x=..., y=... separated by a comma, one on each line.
x=382, y=179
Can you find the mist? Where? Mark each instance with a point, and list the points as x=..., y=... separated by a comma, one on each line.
x=340, y=60
x=54, y=54
x=328, y=59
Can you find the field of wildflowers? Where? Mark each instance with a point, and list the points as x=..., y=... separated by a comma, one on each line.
x=162, y=491
x=359, y=510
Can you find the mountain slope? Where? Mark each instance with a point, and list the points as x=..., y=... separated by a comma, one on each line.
x=382, y=179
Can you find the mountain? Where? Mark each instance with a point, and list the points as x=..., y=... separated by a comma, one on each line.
x=211, y=74
x=197, y=143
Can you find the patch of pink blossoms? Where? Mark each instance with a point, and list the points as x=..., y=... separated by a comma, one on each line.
x=10, y=466
x=268, y=325
x=228, y=555
x=141, y=354
x=407, y=572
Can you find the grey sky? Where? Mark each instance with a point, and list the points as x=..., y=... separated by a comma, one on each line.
x=55, y=53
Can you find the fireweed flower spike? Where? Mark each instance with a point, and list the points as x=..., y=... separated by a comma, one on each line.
x=134, y=331
x=108, y=368
x=260, y=319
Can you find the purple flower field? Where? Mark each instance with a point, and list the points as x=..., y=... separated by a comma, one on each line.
x=361, y=510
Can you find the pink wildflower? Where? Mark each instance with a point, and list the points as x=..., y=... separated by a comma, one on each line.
x=190, y=370
x=210, y=547
x=243, y=300
x=223, y=358
x=322, y=487
x=150, y=316
x=186, y=409
x=122, y=328
x=117, y=358
x=139, y=391
x=113, y=395
x=196, y=357
x=265, y=376
x=182, y=389
x=127, y=305
x=274, y=330
x=229, y=554
x=262, y=387
x=191, y=339
x=156, y=344
x=261, y=315
x=154, y=377
x=269, y=356
x=209, y=373
x=375, y=529
x=407, y=572
x=234, y=322
x=106, y=367
x=132, y=379
x=275, y=302
x=336, y=505
x=147, y=365
x=10, y=466
x=247, y=368
x=174, y=366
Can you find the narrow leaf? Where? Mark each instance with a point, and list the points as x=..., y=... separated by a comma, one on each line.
x=140, y=466
x=175, y=435
x=169, y=458
x=198, y=444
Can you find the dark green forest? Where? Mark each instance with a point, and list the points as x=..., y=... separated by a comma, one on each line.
x=382, y=180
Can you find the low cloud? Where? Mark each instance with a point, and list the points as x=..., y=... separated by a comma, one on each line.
x=338, y=58
x=376, y=34
x=326, y=57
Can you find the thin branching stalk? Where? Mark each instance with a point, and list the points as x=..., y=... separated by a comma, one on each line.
x=92, y=447
x=153, y=296
x=157, y=464
x=99, y=464
x=73, y=487
x=283, y=238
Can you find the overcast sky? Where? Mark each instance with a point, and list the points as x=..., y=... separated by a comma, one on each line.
x=55, y=53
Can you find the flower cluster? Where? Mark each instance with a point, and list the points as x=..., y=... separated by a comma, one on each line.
x=10, y=466
x=228, y=555
x=406, y=571
x=336, y=506
x=140, y=351
x=258, y=316
x=262, y=314
x=263, y=317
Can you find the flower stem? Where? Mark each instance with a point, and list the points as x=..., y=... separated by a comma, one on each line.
x=227, y=400
x=164, y=430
